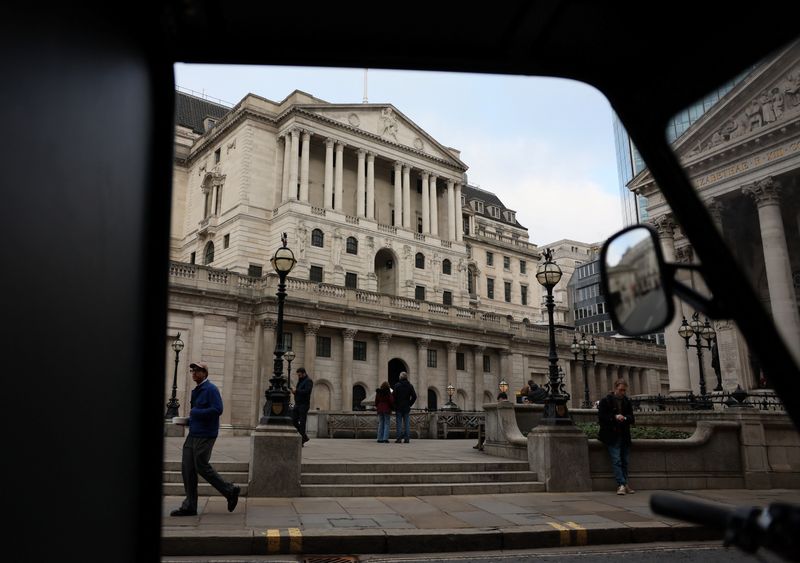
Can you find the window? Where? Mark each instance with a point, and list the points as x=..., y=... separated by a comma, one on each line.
x=207, y=204
x=254, y=271
x=465, y=223
x=431, y=358
x=359, y=351
x=287, y=341
x=523, y=292
x=323, y=347
x=419, y=225
x=487, y=364
x=315, y=274
x=506, y=263
x=419, y=185
x=217, y=154
x=489, y=259
x=471, y=282
x=192, y=257
x=507, y=291
x=601, y=308
x=226, y=241
x=447, y=267
x=490, y=288
x=522, y=266
x=208, y=255
x=351, y=280
x=419, y=293
x=352, y=245
x=419, y=261
x=447, y=297
x=218, y=202
x=317, y=238
x=460, y=361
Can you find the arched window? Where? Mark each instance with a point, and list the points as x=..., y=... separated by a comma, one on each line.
x=446, y=267
x=208, y=255
x=420, y=261
x=317, y=238
x=352, y=245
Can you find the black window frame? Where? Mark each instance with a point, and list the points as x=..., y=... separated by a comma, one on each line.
x=447, y=297
x=507, y=291
x=419, y=258
x=313, y=269
x=352, y=245
x=360, y=350
x=417, y=290
x=432, y=358
x=460, y=361
x=447, y=267
x=318, y=238
x=490, y=288
x=323, y=346
x=255, y=270
x=351, y=276
x=487, y=363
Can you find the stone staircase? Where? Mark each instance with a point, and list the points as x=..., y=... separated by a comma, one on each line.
x=235, y=471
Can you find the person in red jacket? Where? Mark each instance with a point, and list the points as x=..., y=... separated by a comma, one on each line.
x=384, y=401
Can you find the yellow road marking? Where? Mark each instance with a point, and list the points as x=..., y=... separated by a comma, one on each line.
x=273, y=540
x=563, y=531
x=295, y=540
x=581, y=535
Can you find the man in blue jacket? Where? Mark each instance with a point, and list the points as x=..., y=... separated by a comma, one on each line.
x=203, y=430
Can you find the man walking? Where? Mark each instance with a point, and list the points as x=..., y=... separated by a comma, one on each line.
x=404, y=397
x=206, y=408
x=615, y=416
x=302, y=401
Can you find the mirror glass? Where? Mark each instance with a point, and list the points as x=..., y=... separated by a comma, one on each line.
x=633, y=279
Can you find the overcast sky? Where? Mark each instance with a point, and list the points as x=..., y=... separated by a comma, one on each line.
x=545, y=146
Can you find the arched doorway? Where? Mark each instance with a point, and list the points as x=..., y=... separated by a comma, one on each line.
x=359, y=394
x=386, y=266
x=432, y=400
x=396, y=365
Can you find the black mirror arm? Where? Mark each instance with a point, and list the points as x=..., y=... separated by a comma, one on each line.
x=709, y=307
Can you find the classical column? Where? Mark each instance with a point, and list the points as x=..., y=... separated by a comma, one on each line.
x=398, y=195
x=348, y=335
x=782, y=299
x=195, y=350
x=434, y=206
x=407, y=197
x=459, y=214
x=677, y=360
x=338, y=182
x=265, y=334
x=293, y=163
x=451, y=366
x=505, y=369
x=287, y=163
x=310, y=357
x=360, y=183
x=381, y=374
x=370, y=186
x=327, y=192
x=422, y=372
x=304, y=166
x=477, y=376
x=229, y=369
x=426, y=205
x=451, y=211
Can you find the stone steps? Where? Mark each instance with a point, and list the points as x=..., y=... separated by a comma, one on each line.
x=413, y=490
x=430, y=478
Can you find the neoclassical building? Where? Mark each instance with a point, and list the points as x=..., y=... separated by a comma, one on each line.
x=401, y=264
x=743, y=156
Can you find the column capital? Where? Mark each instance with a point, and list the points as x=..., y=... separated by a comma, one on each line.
x=423, y=343
x=330, y=142
x=664, y=225
x=362, y=153
x=311, y=329
x=452, y=346
x=397, y=165
x=715, y=209
x=450, y=184
x=269, y=324
x=306, y=134
x=370, y=156
x=384, y=337
x=349, y=333
x=684, y=254
x=478, y=349
x=504, y=352
x=425, y=174
x=340, y=145
x=764, y=192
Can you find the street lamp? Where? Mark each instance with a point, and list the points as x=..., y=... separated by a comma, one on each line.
x=503, y=386
x=276, y=407
x=290, y=355
x=548, y=274
x=450, y=405
x=583, y=348
x=172, y=404
x=699, y=330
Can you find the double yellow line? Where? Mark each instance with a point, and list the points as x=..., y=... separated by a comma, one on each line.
x=274, y=540
x=580, y=534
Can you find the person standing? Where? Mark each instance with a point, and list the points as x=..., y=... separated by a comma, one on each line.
x=206, y=408
x=615, y=415
x=384, y=399
x=302, y=401
x=404, y=397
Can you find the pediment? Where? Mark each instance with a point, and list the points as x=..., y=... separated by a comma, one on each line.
x=385, y=122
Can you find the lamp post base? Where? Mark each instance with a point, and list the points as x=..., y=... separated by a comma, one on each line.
x=275, y=458
x=553, y=448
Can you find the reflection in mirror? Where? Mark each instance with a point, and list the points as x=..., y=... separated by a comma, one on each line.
x=634, y=283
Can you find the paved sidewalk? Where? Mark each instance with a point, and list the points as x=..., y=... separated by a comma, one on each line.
x=353, y=525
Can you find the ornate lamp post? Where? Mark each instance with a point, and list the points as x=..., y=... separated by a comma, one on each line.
x=584, y=348
x=699, y=330
x=548, y=274
x=276, y=407
x=450, y=405
x=290, y=355
x=172, y=404
x=503, y=386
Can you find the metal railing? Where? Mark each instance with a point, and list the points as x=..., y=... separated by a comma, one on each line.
x=765, y=400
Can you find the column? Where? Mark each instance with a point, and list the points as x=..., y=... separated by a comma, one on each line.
x=228, y=370
x=265, y=334
x=459, y=214
x=782, y=300
x=407, y=198
x=434, y=207
x=287, y=163
x=293, y=163
x=360, y=184
x=310, y=356
x=370, y=186
x=505, y=369
x=451, y=211
x=338, y=183
x=451, y=366
x=477, y=376
x=517, y=371
x=399, y=219
x=677, y=361
x=327, y=192
x=426, y=203
x=304, y=166
x=381, y=374
x=422, y=372
x=194, y=350
x=348, y=335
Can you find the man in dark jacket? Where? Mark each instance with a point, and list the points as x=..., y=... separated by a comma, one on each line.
x=615, y=415
x=404, y=397
x=302, y=402
x=204, y=416
x=536, y=394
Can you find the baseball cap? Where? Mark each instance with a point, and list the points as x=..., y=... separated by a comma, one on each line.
x=199, y=365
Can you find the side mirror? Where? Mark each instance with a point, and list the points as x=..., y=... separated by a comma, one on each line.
x=632, y=274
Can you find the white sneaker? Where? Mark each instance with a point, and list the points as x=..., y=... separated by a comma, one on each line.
x=621, y=490
x=629, y=490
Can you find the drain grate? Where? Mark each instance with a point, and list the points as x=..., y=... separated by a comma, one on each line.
x=331, y=559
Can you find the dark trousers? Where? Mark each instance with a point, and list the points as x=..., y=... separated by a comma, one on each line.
x=299, y=416
x=194, y=462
